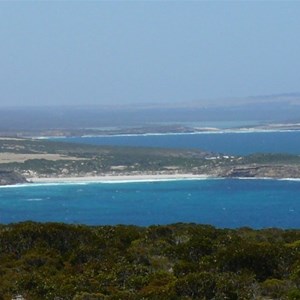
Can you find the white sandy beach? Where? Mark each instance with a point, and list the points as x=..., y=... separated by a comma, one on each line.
x=137, y=177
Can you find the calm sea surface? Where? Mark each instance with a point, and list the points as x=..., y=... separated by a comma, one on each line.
x=227, y=143
x=223, y=202
x=220, y=202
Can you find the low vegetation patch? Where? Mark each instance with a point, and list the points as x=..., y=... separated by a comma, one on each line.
x=179, y=261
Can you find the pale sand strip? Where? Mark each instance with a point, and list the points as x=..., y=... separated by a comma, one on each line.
x=8, y=157
x=138, y=177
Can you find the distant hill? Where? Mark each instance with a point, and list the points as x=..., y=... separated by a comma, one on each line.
x=268, y=108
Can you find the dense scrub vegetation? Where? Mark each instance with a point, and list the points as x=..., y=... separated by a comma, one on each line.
x=81, y=159
x=91, y=160
x=180, y=261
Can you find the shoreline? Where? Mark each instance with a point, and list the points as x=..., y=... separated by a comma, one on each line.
x=145, y=178
x=37, y=181
x=119, y=178
x=217, y=131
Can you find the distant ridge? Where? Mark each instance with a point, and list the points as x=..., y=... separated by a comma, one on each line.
x=277, y=96
x=283, y=107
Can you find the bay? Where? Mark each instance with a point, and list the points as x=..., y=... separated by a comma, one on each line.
x=227, y=203
x=234, y=143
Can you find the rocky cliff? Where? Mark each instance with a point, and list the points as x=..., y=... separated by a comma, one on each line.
x=10, y=177
x=270, y=171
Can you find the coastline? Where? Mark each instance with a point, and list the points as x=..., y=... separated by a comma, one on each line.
x=145, y=178
x=49, y=181
x=200, y=132
x=120, y=178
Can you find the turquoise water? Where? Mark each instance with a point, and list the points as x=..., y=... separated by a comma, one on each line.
x=227, y=143
x=221, y=202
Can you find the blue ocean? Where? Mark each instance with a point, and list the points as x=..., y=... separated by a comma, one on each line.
x=220, y=202
x=234, y=143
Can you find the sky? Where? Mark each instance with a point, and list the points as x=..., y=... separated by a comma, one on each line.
x=136, y=52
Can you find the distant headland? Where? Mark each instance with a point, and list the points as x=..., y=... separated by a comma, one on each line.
x=29, y=160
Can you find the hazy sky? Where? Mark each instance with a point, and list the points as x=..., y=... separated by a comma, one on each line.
x=138, y=52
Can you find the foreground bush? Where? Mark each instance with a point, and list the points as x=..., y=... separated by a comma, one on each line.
x=179, y=261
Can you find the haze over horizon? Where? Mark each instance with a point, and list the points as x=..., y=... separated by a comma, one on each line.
x=118, y=53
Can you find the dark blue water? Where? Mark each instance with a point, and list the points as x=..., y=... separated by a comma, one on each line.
x=227, y=143
x=223, y=203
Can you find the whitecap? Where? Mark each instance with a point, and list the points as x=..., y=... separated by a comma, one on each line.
x=289, y=179
x=35, y=199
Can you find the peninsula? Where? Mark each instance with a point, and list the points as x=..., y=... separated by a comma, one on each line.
x=29, y=160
